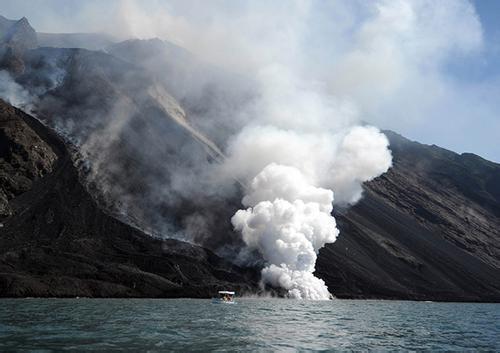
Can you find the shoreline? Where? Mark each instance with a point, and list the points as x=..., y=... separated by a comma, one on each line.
x=259, y=298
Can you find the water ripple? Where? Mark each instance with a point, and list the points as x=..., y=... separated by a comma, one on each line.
x=253, y=324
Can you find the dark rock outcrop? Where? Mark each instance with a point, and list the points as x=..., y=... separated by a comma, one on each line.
x=57, y=242
x=24, y=156
x=429, y=229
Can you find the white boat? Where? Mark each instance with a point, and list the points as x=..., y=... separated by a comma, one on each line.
x=225, y=297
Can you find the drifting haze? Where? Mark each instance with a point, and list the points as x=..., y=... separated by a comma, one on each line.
x=407, y=64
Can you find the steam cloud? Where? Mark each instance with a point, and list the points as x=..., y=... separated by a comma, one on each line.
x=290, y=199
x=303, y=147
x=288, y=221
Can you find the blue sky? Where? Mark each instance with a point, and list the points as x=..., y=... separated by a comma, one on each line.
x=440, y=85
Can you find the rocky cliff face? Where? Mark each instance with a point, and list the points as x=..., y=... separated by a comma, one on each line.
x=429, y=229
x=55, y=241
x=24, y=157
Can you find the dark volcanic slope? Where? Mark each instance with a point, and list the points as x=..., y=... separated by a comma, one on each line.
x=58, y=242
x=428, y=229
x=24, y=157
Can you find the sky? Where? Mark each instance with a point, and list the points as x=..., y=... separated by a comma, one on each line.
x=429, y=70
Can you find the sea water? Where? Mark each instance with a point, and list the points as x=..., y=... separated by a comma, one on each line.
x=252, y=324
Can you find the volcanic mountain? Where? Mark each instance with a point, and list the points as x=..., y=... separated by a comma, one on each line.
x=115, y=166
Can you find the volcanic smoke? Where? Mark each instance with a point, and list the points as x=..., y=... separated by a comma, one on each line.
x=288, y=215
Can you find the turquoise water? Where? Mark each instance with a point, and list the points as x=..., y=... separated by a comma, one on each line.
x=251, y=324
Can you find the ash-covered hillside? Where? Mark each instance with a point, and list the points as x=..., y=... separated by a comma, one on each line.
x=428, y=229
x=56, y=242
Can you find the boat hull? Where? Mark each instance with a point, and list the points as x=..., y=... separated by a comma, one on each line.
x=220, y=301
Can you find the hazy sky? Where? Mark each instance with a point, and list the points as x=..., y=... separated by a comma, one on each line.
x=427, y=69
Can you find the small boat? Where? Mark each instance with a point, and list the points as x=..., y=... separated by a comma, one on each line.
x=225, y=297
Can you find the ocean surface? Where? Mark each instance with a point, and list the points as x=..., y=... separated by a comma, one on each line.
x=251, y=324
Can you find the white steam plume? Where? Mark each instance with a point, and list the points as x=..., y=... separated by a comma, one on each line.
x=302, y=146
x=288, y=221
x=288, y=218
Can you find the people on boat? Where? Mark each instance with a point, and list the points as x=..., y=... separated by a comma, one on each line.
x=226, y=296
